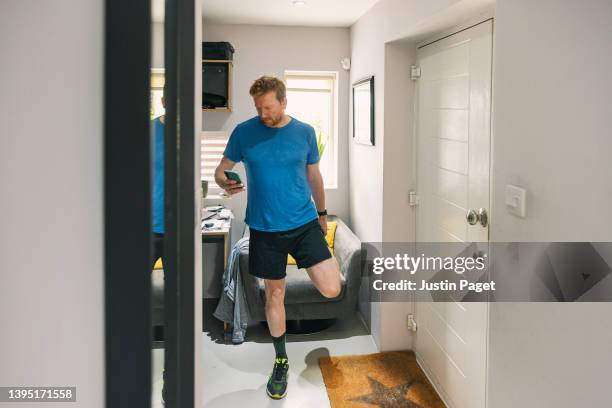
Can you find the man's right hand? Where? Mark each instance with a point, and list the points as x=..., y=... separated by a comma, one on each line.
x=232, y=186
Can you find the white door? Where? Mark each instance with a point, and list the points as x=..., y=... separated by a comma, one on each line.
x=453, y=139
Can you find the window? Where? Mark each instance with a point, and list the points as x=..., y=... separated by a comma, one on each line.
x=157, y=91
x=312, y=97
x=212, y=147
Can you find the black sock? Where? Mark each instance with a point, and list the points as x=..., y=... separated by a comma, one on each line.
x=279, y=346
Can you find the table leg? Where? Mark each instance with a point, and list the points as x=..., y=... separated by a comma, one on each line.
x=225, y=250
x=227, y=333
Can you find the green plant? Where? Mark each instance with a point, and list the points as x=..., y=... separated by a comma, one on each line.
x=321, y=138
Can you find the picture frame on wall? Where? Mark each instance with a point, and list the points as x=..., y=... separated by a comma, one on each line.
x=363, y=111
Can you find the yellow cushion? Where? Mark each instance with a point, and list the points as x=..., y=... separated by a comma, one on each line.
x=331, y=235
x=158, y=264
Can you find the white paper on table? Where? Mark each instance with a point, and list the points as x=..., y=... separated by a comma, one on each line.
x=225, y=214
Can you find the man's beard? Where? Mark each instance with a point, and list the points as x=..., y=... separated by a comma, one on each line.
x=274, y=122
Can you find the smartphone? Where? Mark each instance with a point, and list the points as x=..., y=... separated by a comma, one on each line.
x=232, y=176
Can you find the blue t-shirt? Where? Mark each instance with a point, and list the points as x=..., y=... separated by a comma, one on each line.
x=158, y=176
x=278, y=193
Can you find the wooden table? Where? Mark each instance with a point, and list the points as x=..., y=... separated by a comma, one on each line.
x=223, y=232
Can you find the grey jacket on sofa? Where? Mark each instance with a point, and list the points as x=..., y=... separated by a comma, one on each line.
x=302, y=299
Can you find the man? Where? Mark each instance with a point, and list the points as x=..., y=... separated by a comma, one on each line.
x=158, y=126
x=281, y=158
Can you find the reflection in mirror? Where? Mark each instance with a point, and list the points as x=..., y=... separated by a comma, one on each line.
x=157, y=127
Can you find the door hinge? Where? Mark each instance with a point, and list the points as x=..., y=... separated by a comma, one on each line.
x=413, y=199
x=411, y=323
x=415, y=72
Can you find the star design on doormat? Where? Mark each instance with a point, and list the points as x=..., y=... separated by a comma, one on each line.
x=391, y=397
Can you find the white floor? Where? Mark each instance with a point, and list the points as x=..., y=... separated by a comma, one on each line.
x=236, y=375
x=157, y=361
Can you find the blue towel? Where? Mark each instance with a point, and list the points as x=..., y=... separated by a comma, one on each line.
x=232, y=307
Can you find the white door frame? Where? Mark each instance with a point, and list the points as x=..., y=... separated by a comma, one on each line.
x=440, y=36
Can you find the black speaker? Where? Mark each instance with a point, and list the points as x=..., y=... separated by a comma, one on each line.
x=215, y=84
x=217, y=50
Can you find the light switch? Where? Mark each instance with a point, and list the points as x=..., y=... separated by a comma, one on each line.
x=516, y=200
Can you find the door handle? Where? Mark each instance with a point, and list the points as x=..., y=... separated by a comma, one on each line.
x=474, y=217
x=483, y=217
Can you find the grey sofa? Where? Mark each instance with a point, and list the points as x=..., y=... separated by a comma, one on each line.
x=157, y=297
x=302, y=300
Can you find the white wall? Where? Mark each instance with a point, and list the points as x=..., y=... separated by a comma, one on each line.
x=51, y=291
x=272, y=50
x=378, y=191
x=388, y=21
x=157, y=50
x=551, y=126
x=551, y=135
x=398, y=223
x=552, y=110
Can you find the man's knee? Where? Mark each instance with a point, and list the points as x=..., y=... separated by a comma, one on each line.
x=276, y=297
x=331, y=291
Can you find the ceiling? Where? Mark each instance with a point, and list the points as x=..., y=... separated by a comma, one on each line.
x=319, y=13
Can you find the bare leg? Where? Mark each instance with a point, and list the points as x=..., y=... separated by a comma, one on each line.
x=326, y=277
x=275, y=306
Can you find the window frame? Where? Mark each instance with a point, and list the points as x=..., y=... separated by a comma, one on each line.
x=158, y=80
x=327, y=75
x=220, y=136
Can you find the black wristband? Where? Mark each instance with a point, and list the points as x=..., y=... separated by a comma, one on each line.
x=322, y=213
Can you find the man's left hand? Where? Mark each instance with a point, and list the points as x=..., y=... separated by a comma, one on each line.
x=323, y=224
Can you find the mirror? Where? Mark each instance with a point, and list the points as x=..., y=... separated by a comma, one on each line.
x=157, y=109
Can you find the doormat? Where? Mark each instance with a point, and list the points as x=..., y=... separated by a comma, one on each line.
x=386, y=380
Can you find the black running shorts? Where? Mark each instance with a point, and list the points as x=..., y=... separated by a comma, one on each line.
x=268, y=250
